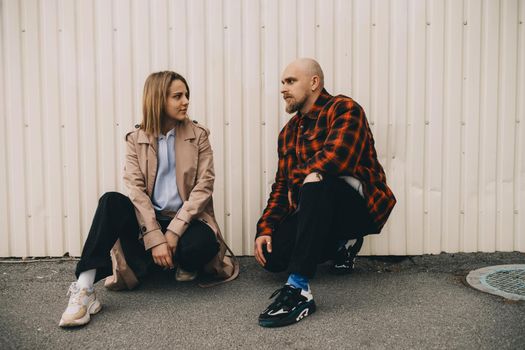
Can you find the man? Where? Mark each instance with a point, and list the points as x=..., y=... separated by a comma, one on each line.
x=329, y=191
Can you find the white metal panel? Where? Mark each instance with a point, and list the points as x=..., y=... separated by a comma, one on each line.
x=233, y=136
x=519, y=168
x=442, y=83
x=159, y=34
x=37, y=230
x=89, y=139
x=434, y=126
x=342, y=49
x=104, y=37
x=215, y=102
x=397, y=121
x=4, y=199
x=197, y=55
x=251, y=128
x=179, y=36
x=325, y=45
x=270, y=103
x=306, y=27
x=414, y=183
x=361, y=77
x=471, y=131
x=488, y=145
x=125, y=84
x=51, y=128
x=72, y=235
x=452, y=119
x=15, y=145
x=507, y=125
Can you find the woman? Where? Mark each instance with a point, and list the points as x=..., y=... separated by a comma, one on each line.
x=168, y=217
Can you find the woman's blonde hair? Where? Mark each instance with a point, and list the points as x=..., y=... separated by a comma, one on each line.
x=156, y=89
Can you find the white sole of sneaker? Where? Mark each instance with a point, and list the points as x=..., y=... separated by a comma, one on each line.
x=294, y=317
x=92, y=309
x=185, y=277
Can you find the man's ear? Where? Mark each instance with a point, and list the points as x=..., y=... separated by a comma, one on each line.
x=315, y=82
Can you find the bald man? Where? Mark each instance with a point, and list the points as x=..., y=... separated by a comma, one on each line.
x=329, y=191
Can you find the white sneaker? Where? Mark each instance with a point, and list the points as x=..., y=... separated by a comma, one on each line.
x=184, y=276
x=82, y=304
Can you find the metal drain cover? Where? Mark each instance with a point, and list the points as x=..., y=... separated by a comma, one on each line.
x=507, y=281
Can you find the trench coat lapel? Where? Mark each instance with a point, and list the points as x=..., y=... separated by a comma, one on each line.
x=186, y=157
x=151, y=159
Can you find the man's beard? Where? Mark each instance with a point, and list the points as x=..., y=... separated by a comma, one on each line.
x=295, y=106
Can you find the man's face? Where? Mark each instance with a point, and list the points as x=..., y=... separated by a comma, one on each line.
x=295, y=87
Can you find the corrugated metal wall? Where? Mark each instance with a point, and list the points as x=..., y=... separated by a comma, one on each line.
x=443, y=84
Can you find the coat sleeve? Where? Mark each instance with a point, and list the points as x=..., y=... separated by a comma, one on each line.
x=201, y=193
x=135, y=181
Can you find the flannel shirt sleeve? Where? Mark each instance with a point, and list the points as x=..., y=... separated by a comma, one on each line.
x=343, y=146
x=277, y=206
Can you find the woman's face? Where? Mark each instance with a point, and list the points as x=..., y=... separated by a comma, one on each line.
x=177, y=101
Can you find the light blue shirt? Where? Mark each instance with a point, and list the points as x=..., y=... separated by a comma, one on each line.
x=165, y=193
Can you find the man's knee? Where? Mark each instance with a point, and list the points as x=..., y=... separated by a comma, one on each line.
x=313, y=177
x=313, y=187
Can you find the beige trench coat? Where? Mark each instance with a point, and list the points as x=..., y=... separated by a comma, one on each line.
x=195, y=177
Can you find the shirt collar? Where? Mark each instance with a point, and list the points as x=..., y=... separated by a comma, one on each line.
x=318, y=105
x=168, y=134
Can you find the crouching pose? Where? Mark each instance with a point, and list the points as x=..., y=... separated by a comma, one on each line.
x=167, y=219
x=329, y=191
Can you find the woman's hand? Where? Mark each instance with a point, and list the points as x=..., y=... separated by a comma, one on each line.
x=259, y=243
x=162, y=255
x=172, y=240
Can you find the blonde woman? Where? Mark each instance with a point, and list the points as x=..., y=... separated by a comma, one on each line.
x=167, y=219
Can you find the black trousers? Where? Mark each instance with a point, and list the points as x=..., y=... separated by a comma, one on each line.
x=329, y=211
x=115, y=218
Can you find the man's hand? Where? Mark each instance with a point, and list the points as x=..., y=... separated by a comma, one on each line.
x=172, y=239
x=162, y=255
x=259, y=243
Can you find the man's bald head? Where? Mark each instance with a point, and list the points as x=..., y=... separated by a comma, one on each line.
x=302, y=82
x=311, y=67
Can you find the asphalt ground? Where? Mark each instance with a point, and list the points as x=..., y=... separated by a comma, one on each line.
x=387, y=303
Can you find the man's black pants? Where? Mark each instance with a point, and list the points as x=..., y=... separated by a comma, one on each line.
x=329, y=211
x=115, y=218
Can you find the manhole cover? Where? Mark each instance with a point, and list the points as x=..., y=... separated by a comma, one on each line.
x=507, y=281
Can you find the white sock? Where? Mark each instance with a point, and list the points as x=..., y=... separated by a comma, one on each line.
x=350, y=243
x=86, y=279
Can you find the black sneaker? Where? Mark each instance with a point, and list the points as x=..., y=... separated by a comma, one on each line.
x=344, y=259
x=291, y=306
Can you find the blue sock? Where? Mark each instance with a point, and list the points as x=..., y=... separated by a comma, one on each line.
x=298, y=281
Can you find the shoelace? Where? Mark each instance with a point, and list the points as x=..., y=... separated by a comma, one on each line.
x=285, y=296
x=75, y=293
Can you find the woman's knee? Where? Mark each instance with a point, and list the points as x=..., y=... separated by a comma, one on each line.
x=116, y=201
x=196, y=255
x=204, y=249
x=112, y=197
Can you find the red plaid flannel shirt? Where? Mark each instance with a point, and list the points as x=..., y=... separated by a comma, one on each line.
x=333, y=138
